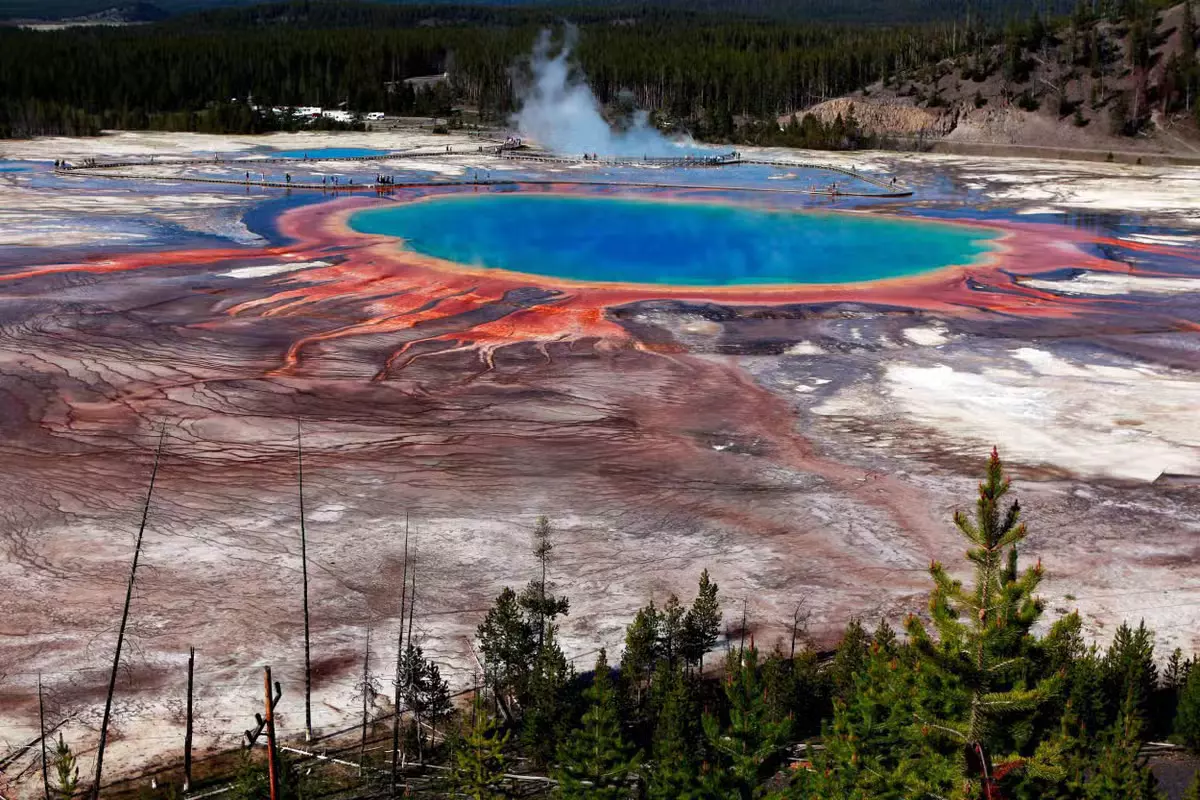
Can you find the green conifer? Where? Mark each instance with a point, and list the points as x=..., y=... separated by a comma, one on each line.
x=702, y=623
x=874, y=748
x=984, y=641
x=779, y=685
x=595, y=762
x=478, y=766
x=1129, y=667
x=547, y=705
x=1187, y=717
x=536, y=600
x=750, y=748
x=885, y=638
x=1081, y=706
x=850, y=658
x=1175, y=673
x=640, y=656
x=65, y=769
x=425, y=694
x=508, y=644
x=670, y=630
x=673, y=771
x=1121, y=773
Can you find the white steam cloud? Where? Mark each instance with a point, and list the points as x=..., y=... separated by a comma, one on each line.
x=559, y=111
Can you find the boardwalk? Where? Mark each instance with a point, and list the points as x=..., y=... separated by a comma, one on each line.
x=109, y=169
x=726, y=160
x=241, y=163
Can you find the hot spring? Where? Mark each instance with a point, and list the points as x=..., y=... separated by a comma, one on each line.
x=604, y=239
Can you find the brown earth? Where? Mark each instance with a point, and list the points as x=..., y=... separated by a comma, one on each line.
x=947, y=102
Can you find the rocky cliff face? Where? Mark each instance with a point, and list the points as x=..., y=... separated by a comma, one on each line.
x=887, y=118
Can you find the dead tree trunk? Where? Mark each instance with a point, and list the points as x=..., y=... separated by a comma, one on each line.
x=269, y=711
x=399, y=658
x=42, y=731
x=412, y=612
x=304, y=579
x=366, y=693
x=112, y=678
x=187, y=736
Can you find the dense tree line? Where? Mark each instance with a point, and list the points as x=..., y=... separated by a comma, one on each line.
x=721, y=76
x=180, y=73
x=868, y=12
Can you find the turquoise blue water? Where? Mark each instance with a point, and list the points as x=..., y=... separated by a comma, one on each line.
x=597, y=239
x=331, y=152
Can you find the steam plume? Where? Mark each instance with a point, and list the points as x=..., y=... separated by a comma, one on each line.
x=559, y=111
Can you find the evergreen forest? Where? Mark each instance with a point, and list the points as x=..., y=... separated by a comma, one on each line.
x=721, y=75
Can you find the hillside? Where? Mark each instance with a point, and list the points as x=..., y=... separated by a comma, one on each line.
x=1089, y=83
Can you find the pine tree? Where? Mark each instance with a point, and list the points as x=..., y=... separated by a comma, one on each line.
x=66, y=769
x=874, y=748
x=640, y=656
x=536, y=599
x=1129, y=667
x=850, y=658
x=425, y=693
x=479, y=763
x=885, y=638
x=673, y=771
x=983, y=638
x=1174, y=674
x=1166, y=699
x=1071, y=757
x=1082, y=703
x=750, y=748
x=253, y=782
x=508, y=644
x=1187, y=717
x=702, y=623
x=546, y=707
x=779, y=685
x=1122, y=774
x=670, y=630
x=595, y=762
x=812, y=695
x=541, y=609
